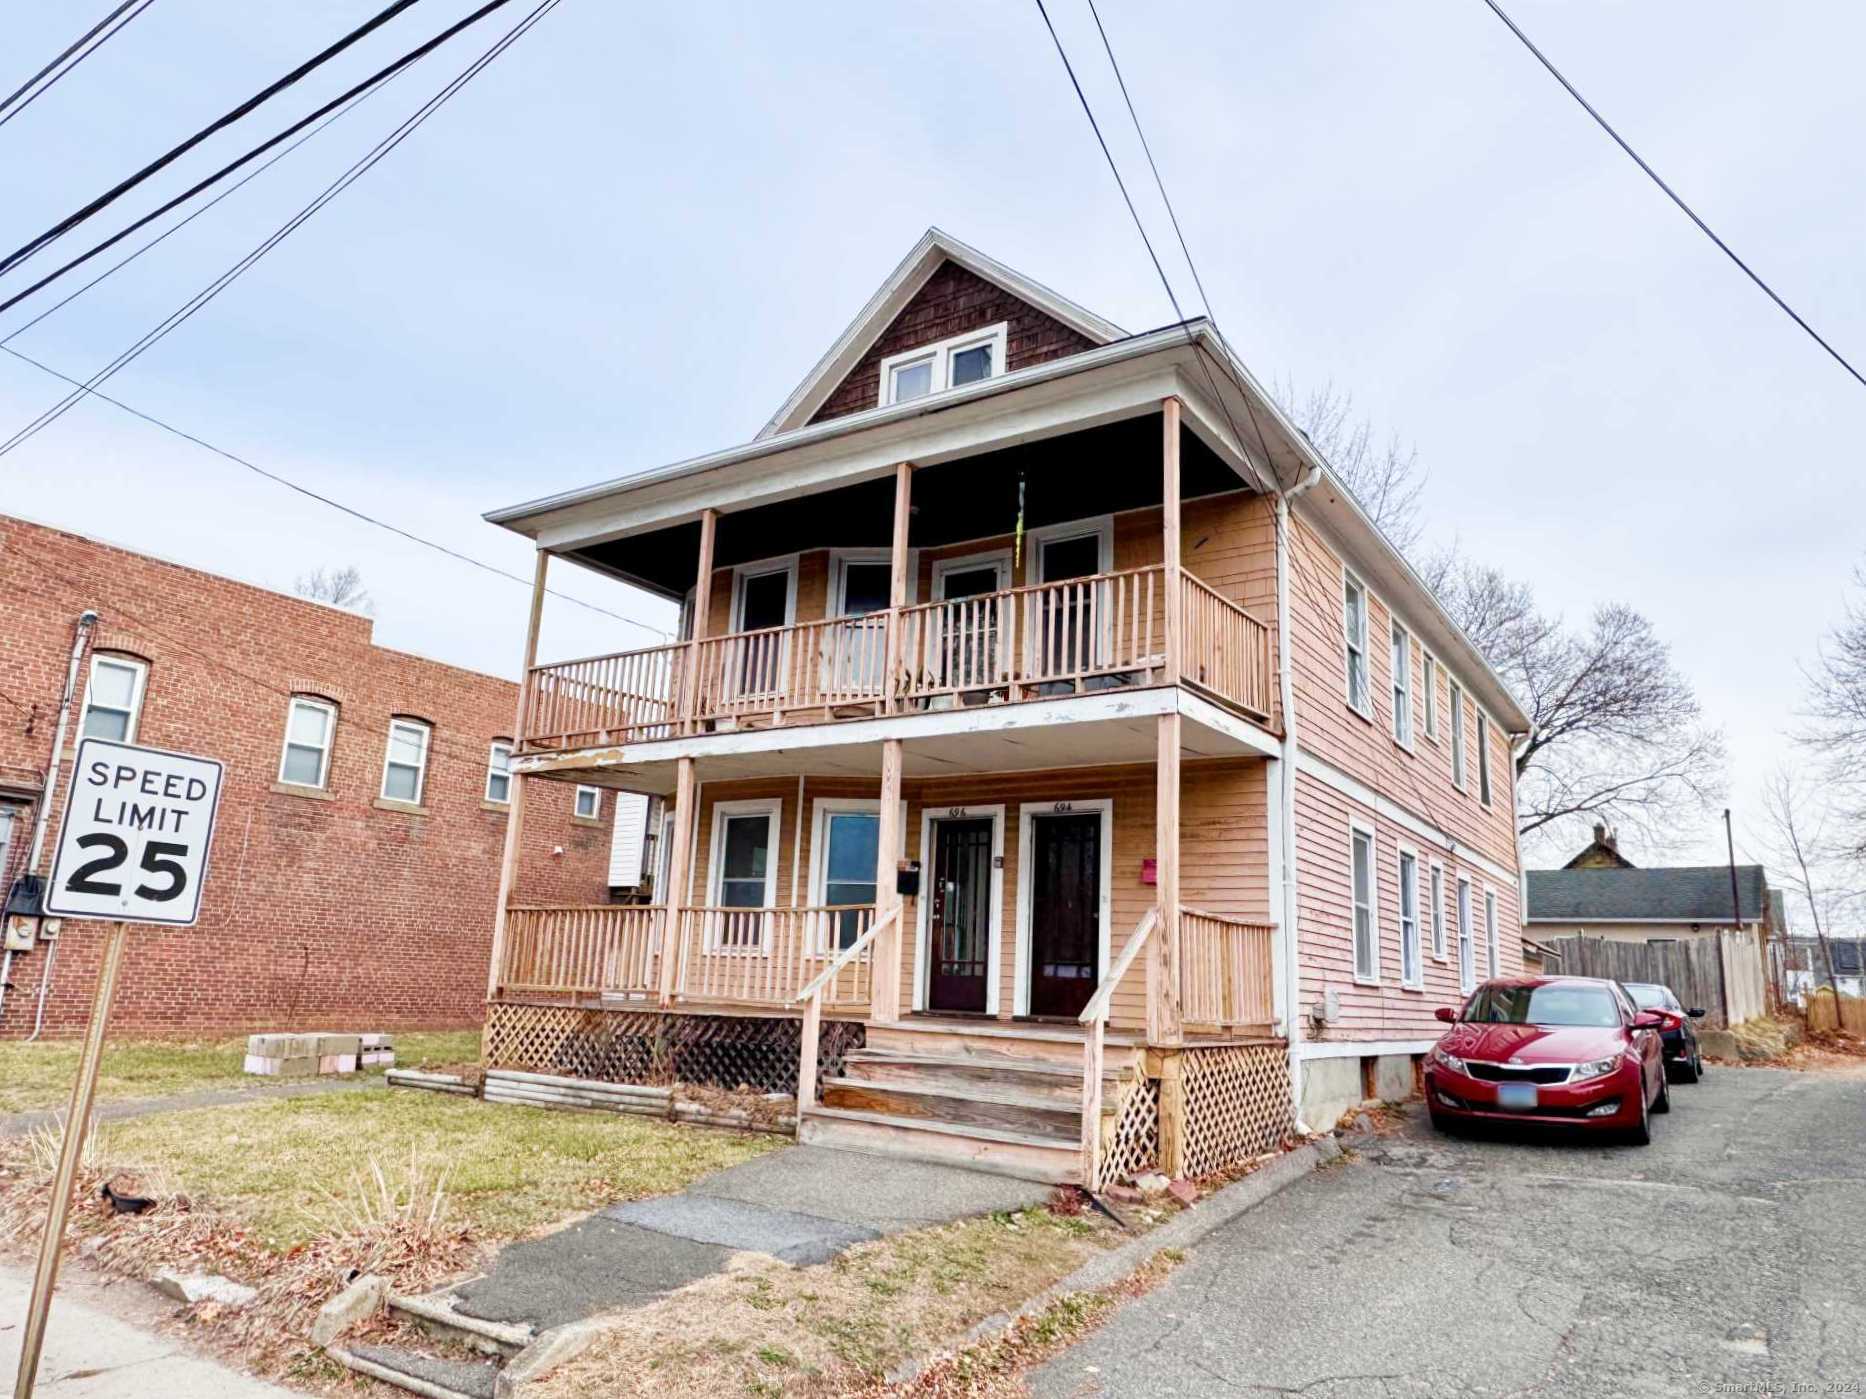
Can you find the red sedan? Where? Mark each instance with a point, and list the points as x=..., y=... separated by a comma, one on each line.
x=1569, y=1051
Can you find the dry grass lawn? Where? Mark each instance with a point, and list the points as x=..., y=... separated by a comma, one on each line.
x=837, y=1327
x=508, y=1170
x=39, y=1075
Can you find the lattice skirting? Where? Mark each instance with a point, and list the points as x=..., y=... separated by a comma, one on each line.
x=1131, y=1133
x=640, y=1046
x=1237, y=1104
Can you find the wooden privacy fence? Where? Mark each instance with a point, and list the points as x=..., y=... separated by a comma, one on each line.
x=1828, y=1012
x=1699, y=970
x=1224, y=970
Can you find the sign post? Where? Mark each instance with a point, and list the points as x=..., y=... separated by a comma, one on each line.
x=133, y=847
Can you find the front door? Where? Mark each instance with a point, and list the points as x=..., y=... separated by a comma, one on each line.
x=959, y=917
x=1065, y=913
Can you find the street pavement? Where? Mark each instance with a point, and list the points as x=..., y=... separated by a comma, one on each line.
x=1729, y=1257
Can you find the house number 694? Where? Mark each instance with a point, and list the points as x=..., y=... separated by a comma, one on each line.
x=1064, y=806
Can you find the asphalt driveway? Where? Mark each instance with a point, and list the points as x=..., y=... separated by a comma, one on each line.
x=1728, y=1257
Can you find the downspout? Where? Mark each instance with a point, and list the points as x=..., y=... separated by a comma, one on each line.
x=42, y=819
x=1292, y=969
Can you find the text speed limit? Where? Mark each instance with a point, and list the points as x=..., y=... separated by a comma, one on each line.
x=135, y=839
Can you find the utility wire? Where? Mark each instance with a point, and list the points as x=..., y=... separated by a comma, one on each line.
x=8, y=109
x=1672, y=194
x=161, y=162
x=380, y=76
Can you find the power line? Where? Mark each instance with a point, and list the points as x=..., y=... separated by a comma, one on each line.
x=226, y=119
x=1672, y=194
x=76, y=44
x=374, y=79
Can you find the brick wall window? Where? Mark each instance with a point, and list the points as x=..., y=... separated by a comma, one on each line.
x=589, y=805
x=113, y=700
x=499, y=772
x=310, y=726
x=405, y=764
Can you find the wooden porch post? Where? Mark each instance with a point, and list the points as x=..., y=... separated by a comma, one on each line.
x=702, y=614
x=886, y=978
x=515, y=814
x=679, y=863
x=1169, y=538
x=897, y=582
x=1163, y=1022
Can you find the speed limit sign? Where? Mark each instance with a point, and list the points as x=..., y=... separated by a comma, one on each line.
x=136, y=834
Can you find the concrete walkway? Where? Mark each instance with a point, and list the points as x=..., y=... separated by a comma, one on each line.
x=18, y=1124
x=91, y=1353
x=802, y=1204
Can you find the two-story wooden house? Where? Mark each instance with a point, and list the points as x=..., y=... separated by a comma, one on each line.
x=1059, y=766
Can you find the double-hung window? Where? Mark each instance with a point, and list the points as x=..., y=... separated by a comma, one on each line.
x=1366, y=928
x=949, y=364
x=1411, y=973
x=499, y=772
x=1354, y=625
x=113, y=701
x=1456, y=719
x=310, y=725
x=847, y=841
x=1402, y=686
x=1467, y=960
x=1483, y=757
x=1490, y=932
x=405, y=764
x=1428, y=708
x=1437, y=893
x=744, y=871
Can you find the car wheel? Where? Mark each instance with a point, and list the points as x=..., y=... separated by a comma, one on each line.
x=1441, y=1123
x=1642, y=1134
x=1663, y=1103
x=1689, y=1070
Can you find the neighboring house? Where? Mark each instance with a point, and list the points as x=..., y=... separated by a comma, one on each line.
x=356, y=861
x=1602, y=853
x=1805, y=968
x=1641, y=905
x=1036, y=681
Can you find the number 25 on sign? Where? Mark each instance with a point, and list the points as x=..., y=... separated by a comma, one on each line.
x=132, y=848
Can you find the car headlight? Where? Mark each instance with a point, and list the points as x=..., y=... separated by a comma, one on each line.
x=1599, y=1068
x=1451, y=1061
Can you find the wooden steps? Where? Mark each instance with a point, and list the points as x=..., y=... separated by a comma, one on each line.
x=1024, y=1155
x=966, y=1104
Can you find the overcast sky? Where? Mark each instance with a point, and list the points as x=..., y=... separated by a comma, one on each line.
x=628, y=240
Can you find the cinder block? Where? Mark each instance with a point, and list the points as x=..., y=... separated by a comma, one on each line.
x=281, y=1046
x=377, y=1058
x=262, y=1064
x=298, y=1066
x=336, y=1064
x=377, y=1041
x=327, y=1045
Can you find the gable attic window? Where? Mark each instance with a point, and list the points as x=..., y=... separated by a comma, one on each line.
x=949, y=364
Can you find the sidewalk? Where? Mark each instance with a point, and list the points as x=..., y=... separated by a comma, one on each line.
x=19, y=1124
x=93, y=1354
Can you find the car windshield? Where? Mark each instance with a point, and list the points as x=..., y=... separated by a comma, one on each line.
x=1553, y=1003
x=1648, y=997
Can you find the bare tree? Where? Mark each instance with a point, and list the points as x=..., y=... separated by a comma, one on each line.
x=1385, y=477
x=1618, y=733
x=341, y=587
x=1837, y=710
x=1797, y=839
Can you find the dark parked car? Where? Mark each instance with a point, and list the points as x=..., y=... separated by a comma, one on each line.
x=1569, y=1051
x=1682, y=1055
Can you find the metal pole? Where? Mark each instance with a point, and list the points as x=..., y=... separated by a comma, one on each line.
x=1736, y=916
x=70, y=1152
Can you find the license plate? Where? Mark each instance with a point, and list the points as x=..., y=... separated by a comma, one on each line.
x=1518, y=1096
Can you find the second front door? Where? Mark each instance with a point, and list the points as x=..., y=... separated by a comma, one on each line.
x=1065, y=913
x=959, y=915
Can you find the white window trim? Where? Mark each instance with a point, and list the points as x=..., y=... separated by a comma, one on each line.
x=1415, y=982
x=1460, y=756
x=1431, y=670
x=1493, y=945
x=492, y=750
x=772, y=809
x=780, y=563
x=1486, y=779
x=1028, y=814
x=1351, y=580
x=576, y=802
x=421, y=771
x=940, y=354
x=330, y=741
x=821, y=809
x=140, y=686
x=1464, y=918
x=965, y=563
x=1099, y=526
x=840, y=559
x=1437, y=882
x=1401, y=682
x=994, y=939
x=1356, y=826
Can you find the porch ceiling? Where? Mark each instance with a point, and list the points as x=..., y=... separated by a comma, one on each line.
x=1106, y=729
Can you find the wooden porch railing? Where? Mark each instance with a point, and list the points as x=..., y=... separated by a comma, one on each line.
x=1095, y=1017
x=764, y=956
x=609, y=949
x=1224, y=970
x=1019, y=644
x=823, y=987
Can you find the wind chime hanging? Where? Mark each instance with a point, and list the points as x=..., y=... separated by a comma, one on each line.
x=1017, y=535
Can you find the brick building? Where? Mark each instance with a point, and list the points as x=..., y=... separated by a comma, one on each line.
x=356, y=864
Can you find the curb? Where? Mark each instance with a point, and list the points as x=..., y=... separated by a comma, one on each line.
x=1182, y=1231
